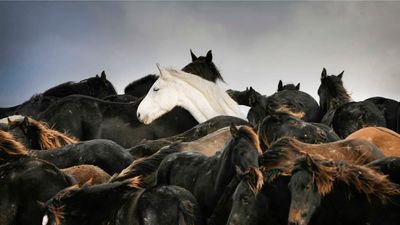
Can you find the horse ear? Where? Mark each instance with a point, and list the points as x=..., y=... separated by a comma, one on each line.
x=163, y=71
x=310, y=162
x=298, y=86
x=341, y=75
x=239, y=172
x=103, y=75
x=97, y=76
x=9, y=121
x=280, y=85
x=234, y=131
x=25, y=124
x=209, y=57
x=323, y=74
x=252, y=97
x=194, y=57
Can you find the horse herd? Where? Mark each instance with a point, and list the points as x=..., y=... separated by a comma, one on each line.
x=176, y=149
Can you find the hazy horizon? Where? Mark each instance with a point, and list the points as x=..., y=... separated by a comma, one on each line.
x=254, y=44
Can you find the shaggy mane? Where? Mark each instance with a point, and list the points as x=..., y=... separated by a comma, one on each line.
x=10, y=146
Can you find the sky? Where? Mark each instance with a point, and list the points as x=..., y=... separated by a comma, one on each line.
x=256, y=44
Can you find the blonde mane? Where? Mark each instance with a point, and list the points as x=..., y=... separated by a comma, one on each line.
x=217, y=98
x=10, y=146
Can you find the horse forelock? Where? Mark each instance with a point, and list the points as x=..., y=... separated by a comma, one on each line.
x=270, y=175
x=10, y=146
x=336, y=91
x=255, y=179
x=197, y=67
x=58, y=213
x=248, y=132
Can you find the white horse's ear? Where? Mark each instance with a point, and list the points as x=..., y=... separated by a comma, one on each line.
x=163, y=72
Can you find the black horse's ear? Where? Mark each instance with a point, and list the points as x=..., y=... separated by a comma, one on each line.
x=310, y=162
x=323, y=74
x=209, y=57
x=25, y=124
x=234, y=131
x=9, y=121
x=252, y=97
x=280, y=85
x=194, y=57
x=298, y=86
x=41, y=205
x=341, y=75
x=97, y=76
x=239, y=172
x=103, y=75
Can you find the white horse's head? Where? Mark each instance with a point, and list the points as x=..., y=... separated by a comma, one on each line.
x=161, y=98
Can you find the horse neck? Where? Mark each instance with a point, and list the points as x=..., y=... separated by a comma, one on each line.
x=226, y=168
x=203, y=108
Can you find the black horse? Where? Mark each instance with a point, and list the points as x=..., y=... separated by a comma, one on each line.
x=296, y=103
x=336, y=193
x=97, y=86
x=105, y=154
x=261, y=197
x=25, y=181
x=89, y=118
x=281, y=125
x=282, y=87
x=206, y=177
x=346, y=116
x=246, y=97
x=123, y=203
x=201, y=66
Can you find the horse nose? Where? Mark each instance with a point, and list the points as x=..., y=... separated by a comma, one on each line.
x=293, y=223
x=138, y=115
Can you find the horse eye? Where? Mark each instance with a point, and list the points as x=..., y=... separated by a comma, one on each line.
x=156, y=89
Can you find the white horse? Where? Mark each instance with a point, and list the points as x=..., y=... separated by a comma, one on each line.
x=4, y=121
x=202, y=98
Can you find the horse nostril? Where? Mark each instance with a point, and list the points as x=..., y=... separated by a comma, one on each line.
x=292, y=223
x=138, y=115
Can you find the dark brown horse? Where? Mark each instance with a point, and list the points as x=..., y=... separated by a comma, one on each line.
x=286, y=150
x=333, y=193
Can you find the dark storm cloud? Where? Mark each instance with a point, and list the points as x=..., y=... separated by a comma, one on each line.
x=254, y=43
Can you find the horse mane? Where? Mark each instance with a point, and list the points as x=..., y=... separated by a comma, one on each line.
x=212, y=92
x=364, y=180
x=146, y=165
x=270, y=175
x=10, y=146
x=338, y=94
x=143, y=80
x=187, y=209
x=254, y=178
x=284, y=109
x=49, y=138
x=245, y=131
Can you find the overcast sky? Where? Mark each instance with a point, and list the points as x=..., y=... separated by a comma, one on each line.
x=43, y=44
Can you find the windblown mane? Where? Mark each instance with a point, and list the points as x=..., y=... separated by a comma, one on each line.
x=246, y=131
x=364, y=180
x=145, y=166
x=254, y=178
x=10, y=147
x=270, y=175
x=49, y=138
x=215, y=95
x=338, y=94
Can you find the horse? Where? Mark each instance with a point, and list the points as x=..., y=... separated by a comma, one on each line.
x=341, y=193
x=97, y=86
x=202, y=98
x=149, y=147
x=89, y=118
x=206, y=177
x=37, y=135
x=146, y=167
x=122, y=203
x=106, y=154
x=385, y=139
x=292, y=87
x=121, y=98
x=296, y=103
x=84, y=174
x=245, y=97
x=389, y=166
x=201, y=66
x=279, y=125
x=346, y=116
x=4, y=122
x=286, y=150
x=261, y=197
x=25, y=181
